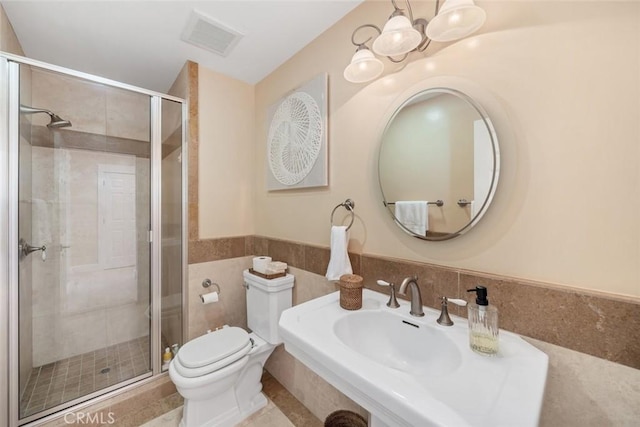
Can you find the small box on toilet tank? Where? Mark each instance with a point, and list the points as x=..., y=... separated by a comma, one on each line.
x=266, y=299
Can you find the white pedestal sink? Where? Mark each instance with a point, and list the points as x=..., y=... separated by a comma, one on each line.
x=409, y=371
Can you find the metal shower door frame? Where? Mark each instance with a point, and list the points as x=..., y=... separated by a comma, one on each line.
x=9, y=332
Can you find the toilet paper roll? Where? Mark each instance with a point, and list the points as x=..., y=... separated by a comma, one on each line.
x=261, y=263
x=209, y=298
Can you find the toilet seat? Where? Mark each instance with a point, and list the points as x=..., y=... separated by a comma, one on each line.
x=219, y=374
x=212, y=352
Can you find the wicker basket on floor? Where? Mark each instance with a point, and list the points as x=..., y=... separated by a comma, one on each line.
x=344, y=418
x=350, y=291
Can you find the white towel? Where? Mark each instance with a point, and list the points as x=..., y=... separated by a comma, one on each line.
x=413, y=215
x=474, y=210
x=339, y=263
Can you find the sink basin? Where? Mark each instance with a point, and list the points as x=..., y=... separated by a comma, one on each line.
x=409, y=371
x=397, y=343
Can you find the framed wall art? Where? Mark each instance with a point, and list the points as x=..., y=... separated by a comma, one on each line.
x=297, y=138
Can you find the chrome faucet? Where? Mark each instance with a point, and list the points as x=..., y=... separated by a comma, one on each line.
x=416, y=297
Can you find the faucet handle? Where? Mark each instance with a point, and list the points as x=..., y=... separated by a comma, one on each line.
x=444, y=318
x=393, y=302
x=456, y=301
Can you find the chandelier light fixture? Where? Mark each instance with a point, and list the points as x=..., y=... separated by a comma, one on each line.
x=403, y=34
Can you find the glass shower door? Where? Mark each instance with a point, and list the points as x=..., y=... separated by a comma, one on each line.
x=172, y=224
x=84, y=220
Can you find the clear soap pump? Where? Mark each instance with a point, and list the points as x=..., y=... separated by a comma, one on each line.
x=483, y=324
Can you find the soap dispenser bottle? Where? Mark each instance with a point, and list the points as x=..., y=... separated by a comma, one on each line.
x=483, y=324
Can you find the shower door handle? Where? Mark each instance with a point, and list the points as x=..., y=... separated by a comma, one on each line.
x=26, y=249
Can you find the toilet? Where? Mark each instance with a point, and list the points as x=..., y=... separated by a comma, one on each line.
x=218, y=374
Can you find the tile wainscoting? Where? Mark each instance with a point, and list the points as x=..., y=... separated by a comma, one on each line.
x=581, y=389
x=605, y=326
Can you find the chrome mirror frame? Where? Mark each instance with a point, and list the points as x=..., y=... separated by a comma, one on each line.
x=481, y=210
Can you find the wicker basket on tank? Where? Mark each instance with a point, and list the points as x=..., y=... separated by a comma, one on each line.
x=350, y=291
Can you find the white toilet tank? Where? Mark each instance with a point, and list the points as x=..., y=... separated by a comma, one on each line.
x=266, y=300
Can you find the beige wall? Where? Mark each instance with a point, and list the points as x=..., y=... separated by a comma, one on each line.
x=226, y=156
x=561, y=85
x=8, y=39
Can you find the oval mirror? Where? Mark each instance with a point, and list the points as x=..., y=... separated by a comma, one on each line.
x=438, y=164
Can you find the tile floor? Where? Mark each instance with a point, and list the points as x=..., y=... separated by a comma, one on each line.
x=67, y=379
x=269, y=416
x=165, y=410
x=283, y=410
x=291, y=407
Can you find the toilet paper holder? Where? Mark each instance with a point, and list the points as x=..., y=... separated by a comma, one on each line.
x=207, y=283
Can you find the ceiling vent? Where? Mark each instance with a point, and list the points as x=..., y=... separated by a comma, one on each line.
x=207, y=33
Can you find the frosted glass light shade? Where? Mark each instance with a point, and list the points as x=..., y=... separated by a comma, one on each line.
x=398, y=37
x=364, y=67
x=455, y=20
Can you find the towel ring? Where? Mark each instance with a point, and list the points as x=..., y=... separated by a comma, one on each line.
x=348, y=205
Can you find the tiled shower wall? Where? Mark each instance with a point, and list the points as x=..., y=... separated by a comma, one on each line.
x=110, y=126
x=114, y=307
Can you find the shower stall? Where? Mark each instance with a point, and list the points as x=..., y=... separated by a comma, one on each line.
x=92, y=264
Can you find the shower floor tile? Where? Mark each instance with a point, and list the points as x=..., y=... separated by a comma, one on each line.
x=67, y=379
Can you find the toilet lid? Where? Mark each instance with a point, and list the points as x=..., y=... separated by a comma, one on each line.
x=231, y=364
x=213, y=347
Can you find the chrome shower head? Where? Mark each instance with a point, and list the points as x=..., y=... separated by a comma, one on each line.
x=56, y=121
